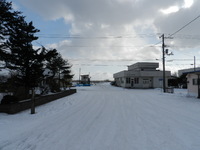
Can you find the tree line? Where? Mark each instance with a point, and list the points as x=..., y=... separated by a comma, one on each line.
x=29, y=67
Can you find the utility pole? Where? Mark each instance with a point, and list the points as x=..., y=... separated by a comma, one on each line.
x=198, y=79
x=163, y=53
x=59, y=78
x=79, y=75
x=194, y=63
x=33, y=101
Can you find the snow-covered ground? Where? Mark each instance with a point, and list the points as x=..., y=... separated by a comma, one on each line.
x=103, y=117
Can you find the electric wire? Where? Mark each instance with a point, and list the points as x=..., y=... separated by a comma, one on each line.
x=184, y=26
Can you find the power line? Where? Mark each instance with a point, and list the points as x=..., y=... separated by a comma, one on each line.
x=152, y=35
x=184, y=26
x=188, y=54
x=110, y=60
x=98, y=65
x=180, y=28
x=188, y=36
x=180, y=60
x=115, y=46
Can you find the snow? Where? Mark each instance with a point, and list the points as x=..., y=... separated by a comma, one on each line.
x=102, y=117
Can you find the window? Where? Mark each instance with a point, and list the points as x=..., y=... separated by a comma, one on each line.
x=195, y=81
x=121, y=79
x=145, y=81
x=128, y=80
x=136, y=80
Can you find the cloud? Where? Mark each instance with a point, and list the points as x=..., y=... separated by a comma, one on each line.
x=188, y=37
x=15, y=6
x=169, y=10
x=96, y=11
x=188, y=3
x=120, y=29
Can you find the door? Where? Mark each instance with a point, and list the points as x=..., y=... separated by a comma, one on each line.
x=132, y=83
x=146, y=83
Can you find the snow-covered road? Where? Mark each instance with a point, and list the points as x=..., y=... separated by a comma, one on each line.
x=103, y=117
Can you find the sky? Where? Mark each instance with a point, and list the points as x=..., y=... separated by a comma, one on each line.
x=103, y=37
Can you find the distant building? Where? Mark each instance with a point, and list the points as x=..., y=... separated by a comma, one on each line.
x=141, y=75
x=85, y=79
x=193, y=83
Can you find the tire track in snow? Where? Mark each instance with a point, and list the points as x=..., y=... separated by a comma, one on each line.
x=109, y=118
x=156, y=128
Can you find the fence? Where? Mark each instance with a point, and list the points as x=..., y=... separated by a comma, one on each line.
x=17, y=107
x=169, y=90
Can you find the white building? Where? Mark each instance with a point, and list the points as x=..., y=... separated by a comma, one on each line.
x=141, y=75
x=193, y=85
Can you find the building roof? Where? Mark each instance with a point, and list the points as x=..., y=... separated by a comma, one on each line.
x=143, y=65
x=86, y=75
x=192, y=72
x=186, y=71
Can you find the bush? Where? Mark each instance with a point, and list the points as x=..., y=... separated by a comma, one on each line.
x=9, y=99
x=54, y=87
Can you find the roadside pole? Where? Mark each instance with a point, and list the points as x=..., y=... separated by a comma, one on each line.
x=33, y=101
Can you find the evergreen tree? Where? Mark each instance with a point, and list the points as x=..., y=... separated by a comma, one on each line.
x=60, y=69
x=55, y=64
x=16, y=49
x=8, y=18
x=67, y=76
x=22, y=57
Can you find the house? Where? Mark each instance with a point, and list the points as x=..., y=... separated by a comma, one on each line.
x=193, y=85
x=141, y=75
x=182, y=76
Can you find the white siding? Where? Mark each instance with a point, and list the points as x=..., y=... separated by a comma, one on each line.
x=192, y=89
